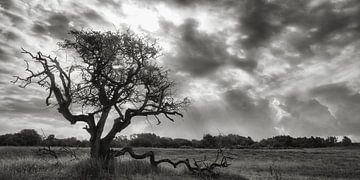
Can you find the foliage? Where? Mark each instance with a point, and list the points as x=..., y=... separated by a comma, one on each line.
x=232, y=141
x=26, y=137
x=113, y=73
x=346, y=141
x=300, y=142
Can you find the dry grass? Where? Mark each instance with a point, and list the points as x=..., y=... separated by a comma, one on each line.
x=327, y=163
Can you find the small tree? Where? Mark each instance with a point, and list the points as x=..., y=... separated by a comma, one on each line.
x=346, y=141
x=114, y=73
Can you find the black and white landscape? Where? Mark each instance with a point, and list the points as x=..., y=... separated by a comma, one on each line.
x=271, y=84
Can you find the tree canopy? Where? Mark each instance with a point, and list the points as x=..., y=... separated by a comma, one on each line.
x=114, y=72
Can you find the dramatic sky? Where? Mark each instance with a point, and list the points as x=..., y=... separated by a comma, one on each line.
x=257, y=68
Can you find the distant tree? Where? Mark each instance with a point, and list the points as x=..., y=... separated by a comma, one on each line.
x=14, y=140
x=30, y=137
x=234, y=141
x=209, y=141
x=180, y=142
x=144, y=140
x=331, y=140
x=114, y=73
x=120, y=141
x=26, y=137
x=197, y=143
x=165, y=142
x=346, y=141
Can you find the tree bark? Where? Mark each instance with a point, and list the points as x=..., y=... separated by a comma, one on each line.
x=100, y=151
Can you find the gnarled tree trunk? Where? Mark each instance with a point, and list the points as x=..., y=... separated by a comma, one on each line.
x=100, y=151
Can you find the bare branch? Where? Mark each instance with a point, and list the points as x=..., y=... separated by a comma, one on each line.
x=206, y=167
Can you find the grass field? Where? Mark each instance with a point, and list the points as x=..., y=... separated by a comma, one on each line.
x=321, y=163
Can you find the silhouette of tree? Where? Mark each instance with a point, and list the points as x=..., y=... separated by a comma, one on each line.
x=114, y=73
x=346, y=141
x=30, y=137
x=331, y=140
x=209, y=141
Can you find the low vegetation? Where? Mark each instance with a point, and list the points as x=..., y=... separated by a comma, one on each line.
x=319, y=163
x=280, y=157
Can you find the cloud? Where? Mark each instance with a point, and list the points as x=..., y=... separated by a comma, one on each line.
x=6, y=4
x=253, y=113
x=38, y=28
x=344, y=104
x=330, y=109
x=308, y=117
x=259, y=23
x=4, y=56
x=14, y=18
x=8, y=35
x=233, y=58
x=56, y=25
x=114, y=3
x=94, y=16
x=199, y=53
x=59, y=25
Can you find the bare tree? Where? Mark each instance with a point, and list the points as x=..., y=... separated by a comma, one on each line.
x=114, y=73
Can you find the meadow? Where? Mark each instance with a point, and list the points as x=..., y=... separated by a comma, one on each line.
x=317, y=163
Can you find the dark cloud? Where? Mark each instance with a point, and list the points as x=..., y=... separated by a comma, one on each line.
x=192, y=3
x=345, y=104
x=6, y=4
x=173, y=3
x=4, y=55
x=15, y=19
x=254, y=114
x=9, y=35
x=320, y=23
x=308, y=117
x=92, y=15
x=331, y=110
x=39, y=28
x=259, y=23
x=59, y=25
x=182, y=3
x=200, y=53
x=3, y=71
x=114, y=3
x=82, y=15
x=330, y=19
x=19, y=105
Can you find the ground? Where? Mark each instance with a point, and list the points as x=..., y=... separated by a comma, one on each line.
x=320, y=163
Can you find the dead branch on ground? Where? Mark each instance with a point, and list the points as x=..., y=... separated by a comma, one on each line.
x=198, y=167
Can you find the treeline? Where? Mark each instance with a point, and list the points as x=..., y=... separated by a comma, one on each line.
x=229, y=141
x=29, y=137
x=208, y=141
x=302, y=142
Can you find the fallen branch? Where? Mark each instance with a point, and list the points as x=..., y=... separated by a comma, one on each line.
x=47, y=151
x=198, y=167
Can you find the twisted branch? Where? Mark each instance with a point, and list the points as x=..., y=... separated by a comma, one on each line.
x=196, y=168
